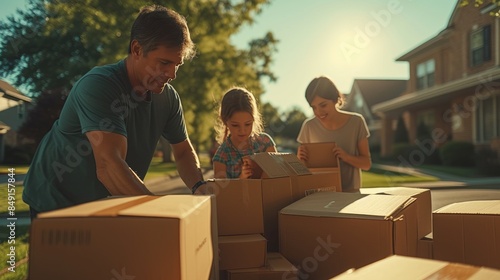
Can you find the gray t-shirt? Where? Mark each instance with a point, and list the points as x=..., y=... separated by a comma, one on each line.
x=346, y=137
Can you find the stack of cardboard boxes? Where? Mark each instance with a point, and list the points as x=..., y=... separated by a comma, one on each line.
x=292, y=222
x=247, y=214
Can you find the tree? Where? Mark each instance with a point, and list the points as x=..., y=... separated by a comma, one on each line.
x=54, y=42
x=495, y=10
x=272, y=120
x=45, y=112
x=293, y=122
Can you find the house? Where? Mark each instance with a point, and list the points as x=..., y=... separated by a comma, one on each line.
x=367, y=92
x=13, y=109
x=454, y=85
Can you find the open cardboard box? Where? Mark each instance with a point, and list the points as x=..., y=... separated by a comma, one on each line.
x=468, y=232
x=143, y=237
x=333, y=232
x=321, y=159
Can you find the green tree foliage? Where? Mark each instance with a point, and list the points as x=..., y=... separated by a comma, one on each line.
x=272, y=120
x=55, y=42
x=43, y=115
x=293, y=122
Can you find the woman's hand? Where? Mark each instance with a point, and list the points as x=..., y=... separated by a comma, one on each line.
x=302, y=153
x=339, y=153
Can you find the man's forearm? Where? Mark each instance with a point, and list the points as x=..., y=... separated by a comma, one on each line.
x=189, y=169
x=121, y=180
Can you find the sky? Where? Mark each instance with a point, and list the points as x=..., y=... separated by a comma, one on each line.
x=341, y=39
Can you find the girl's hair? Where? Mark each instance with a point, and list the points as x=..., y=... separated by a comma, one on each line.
x=324, y=87
x=156, y=25
x=237, y=99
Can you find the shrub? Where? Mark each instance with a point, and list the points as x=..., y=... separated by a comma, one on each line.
x=487, y=162
x=457, y=153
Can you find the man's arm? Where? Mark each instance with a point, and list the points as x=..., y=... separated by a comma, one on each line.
x=110, y=150
x=188, y=164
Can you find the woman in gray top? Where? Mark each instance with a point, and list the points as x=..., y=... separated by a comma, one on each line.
x=330, y=124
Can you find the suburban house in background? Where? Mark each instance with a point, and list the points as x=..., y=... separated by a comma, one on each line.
x=13, y=110
x=454, y=85
x=367, y=92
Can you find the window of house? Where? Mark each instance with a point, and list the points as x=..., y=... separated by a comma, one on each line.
x=425, y=74
x=488, y=119
x=480, y=45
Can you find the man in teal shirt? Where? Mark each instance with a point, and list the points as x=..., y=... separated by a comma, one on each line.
x=114, y=116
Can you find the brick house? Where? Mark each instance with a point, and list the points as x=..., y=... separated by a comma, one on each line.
x=367, y=92
x=454, y=85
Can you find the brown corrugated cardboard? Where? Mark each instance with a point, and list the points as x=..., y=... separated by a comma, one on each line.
x=239, y=205
x=277, y=268
x=424, y=207
x=143, y=237
x=321, y=155
x=276, y=165
x=425, y=247
x=326, y=233
x=242, y=251
x=468, y=232
x=408, y=268
x=284, y=180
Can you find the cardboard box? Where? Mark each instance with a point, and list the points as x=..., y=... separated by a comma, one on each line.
x=326, y=233
x=239, y=205
x=321, y=155
x=277, y=268
x=242, y=251
x=143, y=237
x=252, y=205
x=468, y=232
x=424, y=204
x=425, y=247
x=408, y=268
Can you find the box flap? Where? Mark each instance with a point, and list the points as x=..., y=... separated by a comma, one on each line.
x=489, y=207
x=393, y=191
x=169, y=206
x=321, y=155
x=91, y=208
x=276, y=165
x=145, y=205
x=335, y=204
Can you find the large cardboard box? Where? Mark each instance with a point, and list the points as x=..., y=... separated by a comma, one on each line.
x=239, y=205
x=409, y=268
x=142, y=237
x=424, y=204
x=425, y=247
x=277, y=268
x=242, y=251
x=468, y=232
x=326, y=233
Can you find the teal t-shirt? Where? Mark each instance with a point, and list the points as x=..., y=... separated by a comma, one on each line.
x=63, y=170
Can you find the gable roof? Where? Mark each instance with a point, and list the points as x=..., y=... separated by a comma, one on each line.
x=375, y=91
x=10, y=92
